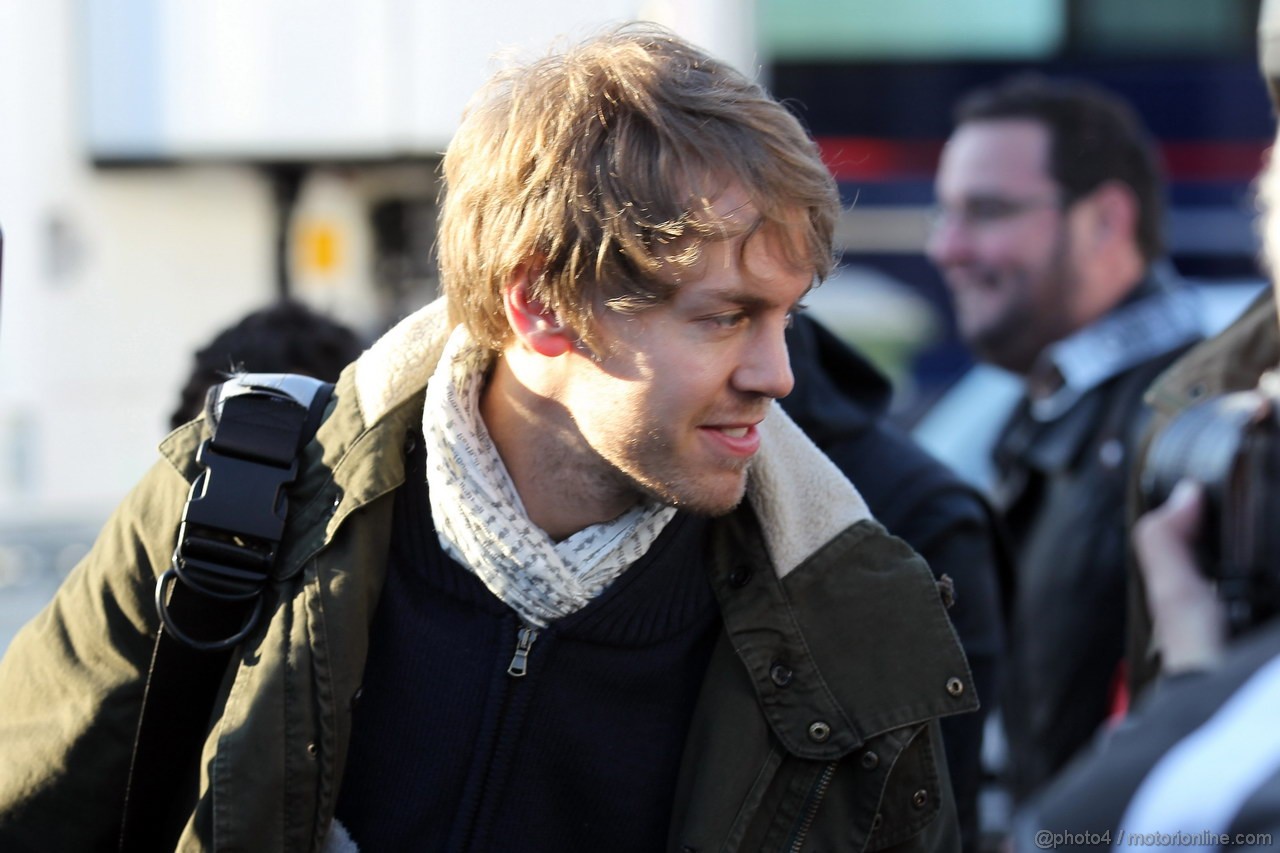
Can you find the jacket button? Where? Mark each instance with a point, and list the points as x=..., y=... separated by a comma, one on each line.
x=947, y=591
x=955, y=686
x=920, y=798
x=876, y=821
x=870, y=761
x=312, y=750
x=819, y=731
x=739, y=577
x=781, y=674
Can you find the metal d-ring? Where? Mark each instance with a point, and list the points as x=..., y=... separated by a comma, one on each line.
x=162, y=608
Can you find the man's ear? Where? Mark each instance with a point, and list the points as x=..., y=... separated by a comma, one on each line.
x=1115, y=212
x=533, y=322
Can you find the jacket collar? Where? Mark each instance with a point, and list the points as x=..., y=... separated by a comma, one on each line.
x=1161, y=314
x=1232, y=360
x=852, y=644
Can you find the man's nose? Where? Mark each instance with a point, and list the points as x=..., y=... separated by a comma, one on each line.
x=766, y=368
x=948, y=242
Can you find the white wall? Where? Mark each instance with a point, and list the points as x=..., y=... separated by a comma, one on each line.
x=332, y=78
x=110, y=280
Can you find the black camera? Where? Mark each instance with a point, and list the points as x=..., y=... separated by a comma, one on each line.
x=1231, y=446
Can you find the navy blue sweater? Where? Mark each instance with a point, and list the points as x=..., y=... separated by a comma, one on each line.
x=451, y=752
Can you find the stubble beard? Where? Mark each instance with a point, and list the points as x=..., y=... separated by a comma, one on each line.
x=655, y=472
x=1015, y=339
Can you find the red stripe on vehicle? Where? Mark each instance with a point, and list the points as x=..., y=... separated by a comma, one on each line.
x=853, y=158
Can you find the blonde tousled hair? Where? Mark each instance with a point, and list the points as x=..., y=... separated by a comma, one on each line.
x=595, y=169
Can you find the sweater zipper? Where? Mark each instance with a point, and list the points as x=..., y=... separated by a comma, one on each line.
x=494, y=756
x=812, y=803
x=524, y=643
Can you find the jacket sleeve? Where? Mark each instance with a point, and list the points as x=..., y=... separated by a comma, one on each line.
x=72, y=681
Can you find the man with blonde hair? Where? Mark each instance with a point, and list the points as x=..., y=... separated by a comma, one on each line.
x=521, y=601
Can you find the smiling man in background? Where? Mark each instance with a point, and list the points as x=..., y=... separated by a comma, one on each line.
x=1048, y=233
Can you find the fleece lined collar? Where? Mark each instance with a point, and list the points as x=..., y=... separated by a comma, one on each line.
x=788, y=477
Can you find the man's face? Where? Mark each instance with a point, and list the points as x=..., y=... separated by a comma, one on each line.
x=1002, y=241
x=1269, y=200
x=672, y=406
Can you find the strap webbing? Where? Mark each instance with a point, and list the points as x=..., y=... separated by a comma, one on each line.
x=183, y=682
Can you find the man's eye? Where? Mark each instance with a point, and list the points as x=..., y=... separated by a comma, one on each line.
x=989, y=210
x=728, y=321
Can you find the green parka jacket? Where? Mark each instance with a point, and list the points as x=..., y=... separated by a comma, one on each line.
x=815, y=728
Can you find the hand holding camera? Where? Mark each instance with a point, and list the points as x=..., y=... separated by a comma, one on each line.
x=1190, y=625
x=1230, y=447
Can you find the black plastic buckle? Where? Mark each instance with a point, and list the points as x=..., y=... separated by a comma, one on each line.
x=227, y=542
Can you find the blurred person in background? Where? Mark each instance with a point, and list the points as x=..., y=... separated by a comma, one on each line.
x=562, y=576
x=287, y=337
x=841, y=401
x=1233, y=360
x=1048, y=234
x=1197, y=763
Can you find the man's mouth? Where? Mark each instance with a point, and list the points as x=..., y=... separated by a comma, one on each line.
x=973, y=279
x=738, y=440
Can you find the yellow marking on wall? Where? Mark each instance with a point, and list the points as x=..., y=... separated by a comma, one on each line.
x=319, y=248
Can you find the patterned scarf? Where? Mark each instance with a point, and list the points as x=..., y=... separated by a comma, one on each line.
x=482, y=523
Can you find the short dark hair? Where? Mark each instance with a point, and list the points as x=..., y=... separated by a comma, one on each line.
x=287, y=337
x=1094, y=137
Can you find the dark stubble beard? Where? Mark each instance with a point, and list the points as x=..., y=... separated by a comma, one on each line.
x=1016, y=340
x=679, y=493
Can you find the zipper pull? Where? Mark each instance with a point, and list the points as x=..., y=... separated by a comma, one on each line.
x=520, y=661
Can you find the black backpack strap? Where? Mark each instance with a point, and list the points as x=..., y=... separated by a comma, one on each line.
x=213, y=594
